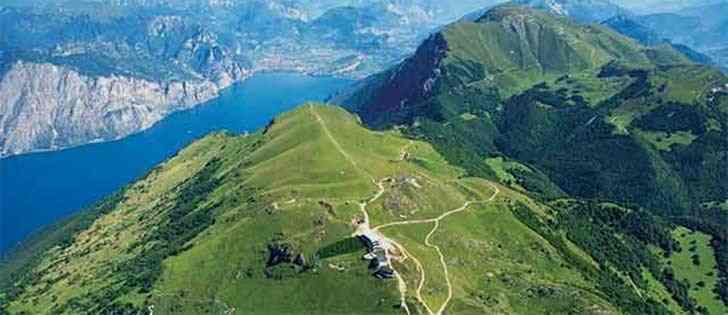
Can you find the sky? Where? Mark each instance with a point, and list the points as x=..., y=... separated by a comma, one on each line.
x=637, y=6
x=654, y=6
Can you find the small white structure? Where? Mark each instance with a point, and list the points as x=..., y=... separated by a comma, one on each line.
x=377, y=255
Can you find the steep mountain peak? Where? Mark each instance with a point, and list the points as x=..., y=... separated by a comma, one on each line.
x=513, y=56
x=508, y=49
x=528, y=37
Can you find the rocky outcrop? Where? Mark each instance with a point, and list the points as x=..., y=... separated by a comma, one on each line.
x=395, y=90
x=46, y=107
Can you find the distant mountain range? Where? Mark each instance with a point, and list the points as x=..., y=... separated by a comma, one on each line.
x=208, y=45
x=647, y=36
x=196, y=47
x=704, y=28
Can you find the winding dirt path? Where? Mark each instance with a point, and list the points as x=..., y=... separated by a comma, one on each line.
x=444, y=267
x=420, y=269
x=404, y=253
x=442, y=216
x=423, y=277
x=336, y=143
x=401, y=284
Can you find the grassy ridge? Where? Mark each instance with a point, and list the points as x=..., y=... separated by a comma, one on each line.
x=557, y=109
x=262, y=225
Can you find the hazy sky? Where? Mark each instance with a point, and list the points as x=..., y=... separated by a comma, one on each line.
x=649, y=6
x=638, y=6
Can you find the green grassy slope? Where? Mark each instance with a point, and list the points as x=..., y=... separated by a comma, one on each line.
x=553, y=109
x=515, y=47
x=697, y=265
x=262, y=224
x=567, y=99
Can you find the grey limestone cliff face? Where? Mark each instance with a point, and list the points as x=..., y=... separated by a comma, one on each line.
x=46, y=107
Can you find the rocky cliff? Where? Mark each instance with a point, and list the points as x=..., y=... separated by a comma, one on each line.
x=46, y=107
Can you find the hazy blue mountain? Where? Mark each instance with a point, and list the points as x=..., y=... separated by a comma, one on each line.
x=661, y=6
x=703, y=28
x=649, y=37
x=720, y=55
x=696, y=56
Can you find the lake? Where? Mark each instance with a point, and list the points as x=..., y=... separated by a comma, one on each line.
x=40, y=188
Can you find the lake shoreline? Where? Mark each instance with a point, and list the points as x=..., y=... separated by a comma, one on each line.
x=53, y=185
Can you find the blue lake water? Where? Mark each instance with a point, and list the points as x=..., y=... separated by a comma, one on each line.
x=40, y=188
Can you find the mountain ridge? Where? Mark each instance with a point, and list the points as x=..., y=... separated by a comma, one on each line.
x=275, y=235
x=639, y=126
x=514, y=60
x=279, y=210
